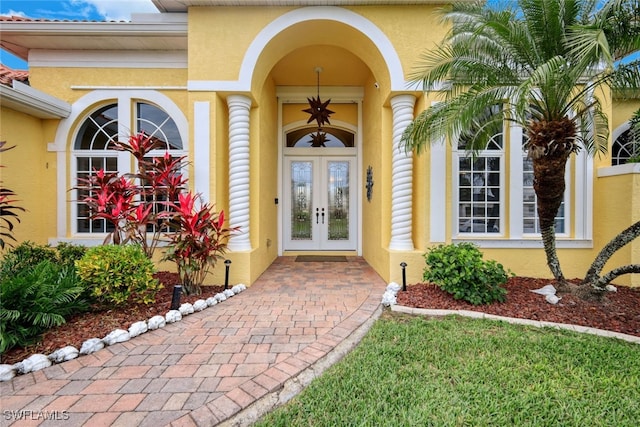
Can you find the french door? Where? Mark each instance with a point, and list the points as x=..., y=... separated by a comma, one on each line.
x=319, y=203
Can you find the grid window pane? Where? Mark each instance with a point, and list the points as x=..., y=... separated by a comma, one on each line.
x=87, y=167
x=625, y=146
x=479, y=194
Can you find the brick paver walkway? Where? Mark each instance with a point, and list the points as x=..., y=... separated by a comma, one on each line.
x=217, y=366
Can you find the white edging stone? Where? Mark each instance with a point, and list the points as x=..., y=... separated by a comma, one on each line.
x=116, y=336
x=186, y=309
x=63, y=354
x=91, y=346
x=33, y=363
x=156, y=322
x=173, y=316
x=138, y=328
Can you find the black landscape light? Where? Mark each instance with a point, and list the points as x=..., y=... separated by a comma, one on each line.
x=175, y=299
x=227, y=264
x=404, y=276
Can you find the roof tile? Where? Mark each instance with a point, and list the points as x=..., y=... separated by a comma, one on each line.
x=14, y=18
x=7, y=76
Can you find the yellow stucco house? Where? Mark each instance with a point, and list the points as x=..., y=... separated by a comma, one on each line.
x=226, y=82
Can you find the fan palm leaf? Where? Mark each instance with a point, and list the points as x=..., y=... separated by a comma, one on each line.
x=542, y=64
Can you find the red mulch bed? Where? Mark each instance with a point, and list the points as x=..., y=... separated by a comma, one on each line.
x=617, y=311
x=98, y=324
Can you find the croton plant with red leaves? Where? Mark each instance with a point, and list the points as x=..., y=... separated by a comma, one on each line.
x=199, y=242
x=194, y=231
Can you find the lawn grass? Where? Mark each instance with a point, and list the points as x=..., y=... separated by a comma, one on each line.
x=412, y=371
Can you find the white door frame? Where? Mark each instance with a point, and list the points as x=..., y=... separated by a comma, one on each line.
x=338, y=95
x=319, y=219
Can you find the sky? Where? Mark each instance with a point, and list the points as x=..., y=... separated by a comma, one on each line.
x=97, y=10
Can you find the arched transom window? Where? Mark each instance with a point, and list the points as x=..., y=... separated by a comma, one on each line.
x=625, y=147
x=329, y=137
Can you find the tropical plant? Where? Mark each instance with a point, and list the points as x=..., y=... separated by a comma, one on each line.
x=28, y=254
x=542, y=63
x=24, y=256
x=199, y=240
x=460, y=270
x=132, y=203
x=8, y=209
x=69, y=253
x=36, y=299
x=118, y=274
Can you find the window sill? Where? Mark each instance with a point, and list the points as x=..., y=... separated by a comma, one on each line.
x=85, y=241
x=533, y=243
x=627, y=168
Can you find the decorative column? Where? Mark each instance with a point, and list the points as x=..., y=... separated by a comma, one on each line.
x=401, y=176
x=239, y=106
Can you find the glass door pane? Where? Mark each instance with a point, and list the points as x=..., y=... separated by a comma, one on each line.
x=338, y=200
x=301, y=200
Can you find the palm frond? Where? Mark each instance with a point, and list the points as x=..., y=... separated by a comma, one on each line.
x=625, y=80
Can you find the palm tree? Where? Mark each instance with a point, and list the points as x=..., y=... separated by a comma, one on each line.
x=543, y=63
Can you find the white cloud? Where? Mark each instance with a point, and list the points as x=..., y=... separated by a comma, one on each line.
x=118, y=10
x=12, y=12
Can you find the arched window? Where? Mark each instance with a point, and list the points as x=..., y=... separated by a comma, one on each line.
x=625, y=147
x=93, y=149
x=329, y=137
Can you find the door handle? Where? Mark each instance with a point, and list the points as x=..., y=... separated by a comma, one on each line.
x=323, y=215
x=317, y=215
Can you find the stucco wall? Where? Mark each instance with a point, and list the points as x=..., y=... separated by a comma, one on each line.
x=29, y=171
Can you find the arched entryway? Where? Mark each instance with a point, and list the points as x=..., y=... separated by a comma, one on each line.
x=320, y=177
x=363, y=79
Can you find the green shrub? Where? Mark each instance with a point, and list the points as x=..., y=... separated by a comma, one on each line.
x=118, y=274
x=37, y=299
x=68, y=254
x=28, y=254
x=25, y=256
x=460, y=270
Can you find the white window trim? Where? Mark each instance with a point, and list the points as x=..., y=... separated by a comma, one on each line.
x=581, y=219
x=63, y=146
x=458, y=154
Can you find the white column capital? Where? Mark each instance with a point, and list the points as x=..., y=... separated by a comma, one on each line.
x=239, y=100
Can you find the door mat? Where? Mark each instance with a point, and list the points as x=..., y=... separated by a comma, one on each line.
x=321, y=258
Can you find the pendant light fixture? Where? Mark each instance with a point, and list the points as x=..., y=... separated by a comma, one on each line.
x=320, y=113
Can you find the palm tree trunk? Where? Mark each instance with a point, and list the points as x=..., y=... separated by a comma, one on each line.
x=593, y=275
x=549, y=242
x=549, y=185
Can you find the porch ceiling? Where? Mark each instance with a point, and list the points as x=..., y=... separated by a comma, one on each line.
x=339, y=67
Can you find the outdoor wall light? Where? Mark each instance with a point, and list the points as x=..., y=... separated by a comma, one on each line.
x=369, y=183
